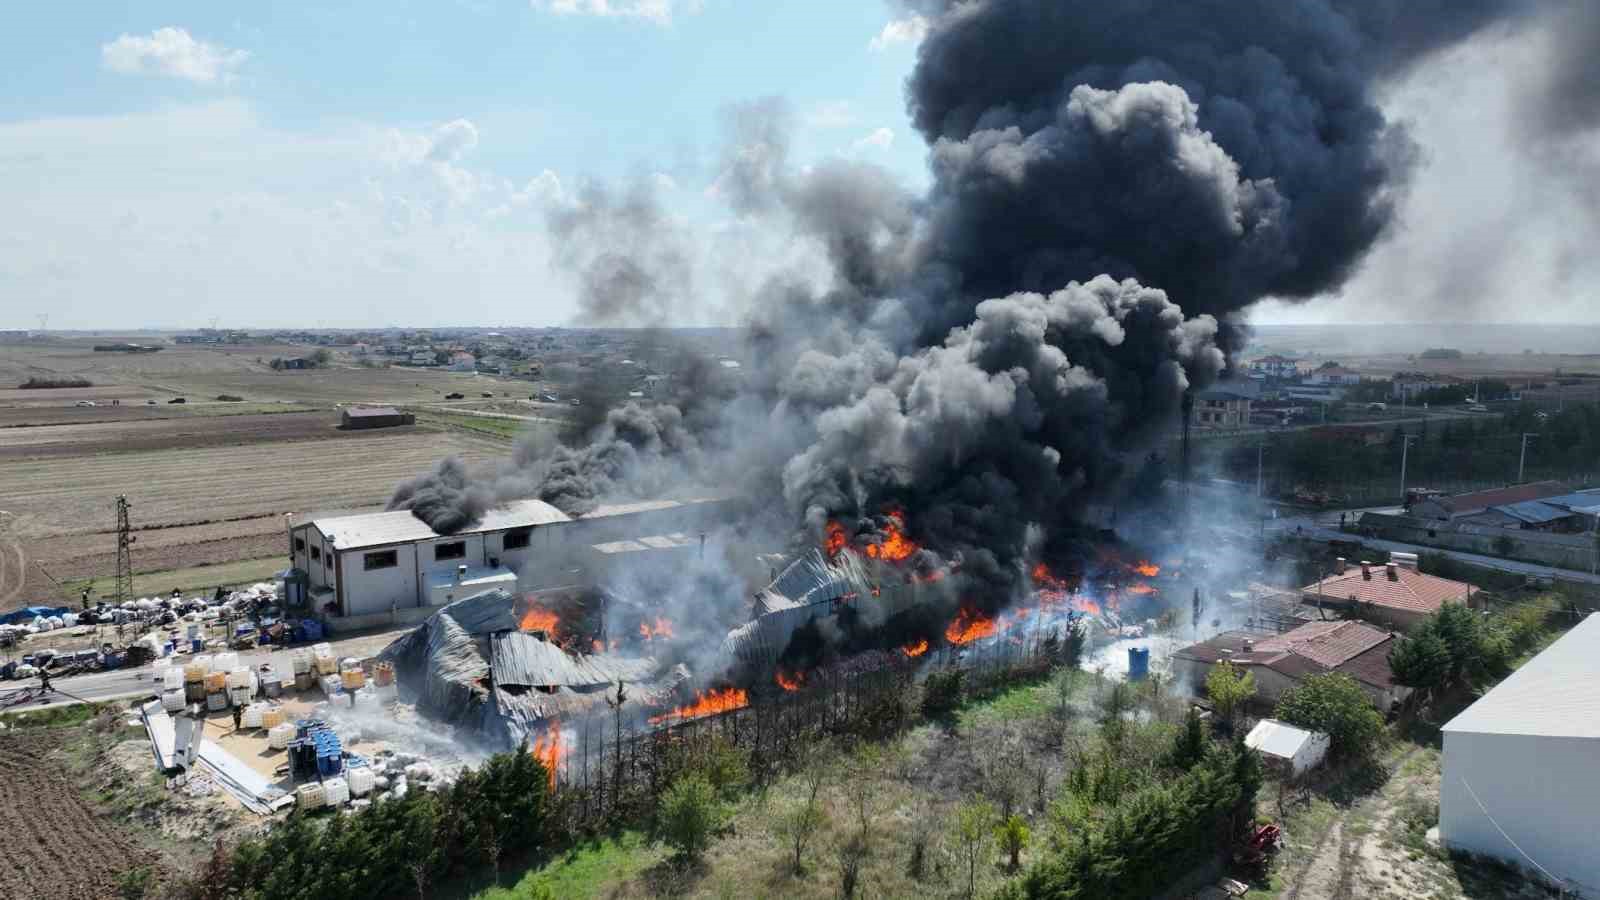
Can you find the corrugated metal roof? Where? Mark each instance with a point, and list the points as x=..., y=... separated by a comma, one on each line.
x=516, y=658
x=1533, y=512
x=359, y=412
x=626, y=509
x=1555, y=694
x=400, y=526
x=676, y=541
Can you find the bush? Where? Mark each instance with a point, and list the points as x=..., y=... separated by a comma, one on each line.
x=1335, y=705
x=1229, y=688
x=688, y=814
x=941, y=693
x=725, y=766
x=1012, y=836
x=55, y=381
x=229, y=398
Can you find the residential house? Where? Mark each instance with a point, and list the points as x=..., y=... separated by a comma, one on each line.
x=1275, y=367
x=1223, y=406
x=1394, y=594
x=1474, y=502
x=1280, y=662
x=1333, y=376
x=462, y=361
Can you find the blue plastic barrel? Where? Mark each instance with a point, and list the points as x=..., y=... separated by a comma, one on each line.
x=1138, y=663
x=197, y=645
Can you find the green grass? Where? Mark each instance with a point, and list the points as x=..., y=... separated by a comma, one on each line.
x=247, y=571
x=506, y=429
x=583, y=871
x=53, y=717
x=1020, y=701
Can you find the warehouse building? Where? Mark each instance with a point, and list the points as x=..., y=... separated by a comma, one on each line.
x=372, y=569
x=358, y=417
x=1519, y=780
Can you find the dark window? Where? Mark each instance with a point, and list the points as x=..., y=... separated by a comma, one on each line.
x=299, y=545
x=452, y=550
x=383, y=559
x=316, y=552
x=517, y=538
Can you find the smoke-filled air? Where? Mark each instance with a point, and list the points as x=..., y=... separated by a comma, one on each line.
x=1111, y=185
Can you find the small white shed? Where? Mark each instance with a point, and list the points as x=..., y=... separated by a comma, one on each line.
x=1283, y=744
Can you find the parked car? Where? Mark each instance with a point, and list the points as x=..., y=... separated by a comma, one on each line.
x=84, y=403
x=453, y=395
x=177, y=400
x=487, y=394
x=1477, y=407
x=575, y=402
x=1377, y=407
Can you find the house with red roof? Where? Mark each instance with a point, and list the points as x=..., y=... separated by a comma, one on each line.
x=1393, y=595
x=1280, y=662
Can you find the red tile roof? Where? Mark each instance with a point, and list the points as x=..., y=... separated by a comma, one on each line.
x=1351, y=647
x=1410, y=590
x=1328, y=644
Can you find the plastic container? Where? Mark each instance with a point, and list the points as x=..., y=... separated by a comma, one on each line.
x=240, y=696
x=367, y=698
x=279, y=736
x=194, y=692
x=353, y=679
x=335, y=791
x=252, y=716
x=226, y=661
x=301, y=663
x=172, y=678
x=217, y=702
x=172, y=700
x=361, y=780
x=383, y=674
x=238, y=677
x=311, y=796
x=194, y=671
x=330, y=684
x=303, y=681
x=326, y=665
x=203, y=661
x=216, y=681
x=271, y=717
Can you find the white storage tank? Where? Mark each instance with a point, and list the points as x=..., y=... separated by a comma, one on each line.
x=172, y=678
x=361, y=780
x=335, y=792
x=252, y=716
x=172, y=700
x=311, y=796
x=279, y=736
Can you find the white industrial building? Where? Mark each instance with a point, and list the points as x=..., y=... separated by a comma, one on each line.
x=1522, y=767
x=376, y=568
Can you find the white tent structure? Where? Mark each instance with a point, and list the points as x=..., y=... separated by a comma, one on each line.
x=1286, y=745
x=1520, y=767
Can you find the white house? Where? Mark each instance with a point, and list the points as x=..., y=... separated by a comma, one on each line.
x=1334, y=376
x=1275, y=367
x=1520, y=766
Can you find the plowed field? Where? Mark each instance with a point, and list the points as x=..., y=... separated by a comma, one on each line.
x=56, y=845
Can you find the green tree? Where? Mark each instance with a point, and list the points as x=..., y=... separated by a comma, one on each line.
x=1189, y=744
x=1421, y=660
x=1229, y=688
x=688, y=815
x=1012, y=836
x=973, y=822
x=1336, y=705
x=321, y=357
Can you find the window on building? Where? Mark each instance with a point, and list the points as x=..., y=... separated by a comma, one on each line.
x=383, y=559
x=316, y=552
x=452, y=550
x=299, y=545
x=518, y=538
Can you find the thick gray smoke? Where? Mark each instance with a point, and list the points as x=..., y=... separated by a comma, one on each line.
x=447, y=498
x=1112, y=184
x=632, y=262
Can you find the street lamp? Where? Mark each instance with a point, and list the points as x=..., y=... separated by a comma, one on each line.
x=1405, y=449
x=1522, y=459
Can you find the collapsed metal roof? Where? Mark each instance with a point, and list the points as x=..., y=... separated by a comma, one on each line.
x=529, y=660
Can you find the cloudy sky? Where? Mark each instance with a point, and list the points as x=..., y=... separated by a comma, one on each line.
x=355, y=164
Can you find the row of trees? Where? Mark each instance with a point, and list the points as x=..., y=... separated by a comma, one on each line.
x=42, y=382
x=394, y=848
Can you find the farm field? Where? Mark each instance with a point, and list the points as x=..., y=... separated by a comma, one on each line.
x=209, y=481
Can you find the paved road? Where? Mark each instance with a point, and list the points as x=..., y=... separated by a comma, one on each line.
x=123, y=684
x=1312, y=528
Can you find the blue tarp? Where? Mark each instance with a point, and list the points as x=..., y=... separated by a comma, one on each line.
x=28, y=614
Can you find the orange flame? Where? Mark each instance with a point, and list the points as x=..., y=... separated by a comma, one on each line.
x=916, y=648
x=1147, y=568
x=970, y=625
x=1141, y=588
x=834, y=539
x=662, y=628
x=599, y=645
x=896, y=547
x=706, y=703
x=549, y=749
x=790, y=682
x=537, y=618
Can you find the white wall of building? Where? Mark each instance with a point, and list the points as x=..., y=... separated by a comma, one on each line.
x=1542, y=792
x=368, y=591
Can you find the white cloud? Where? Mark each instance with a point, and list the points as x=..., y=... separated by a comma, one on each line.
x=909, y=30
x=174, y=53
x=879, y=139
x=657, y=11
x=831, y=114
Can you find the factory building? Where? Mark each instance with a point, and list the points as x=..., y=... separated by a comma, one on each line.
x=360, y=571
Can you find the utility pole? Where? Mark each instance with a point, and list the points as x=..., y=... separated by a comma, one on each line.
x=125, y=541
x=1261, y=450
x=1405, y=449
x=1523, y=458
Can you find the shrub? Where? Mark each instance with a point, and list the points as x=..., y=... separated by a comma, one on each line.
x=229, y=398
x=38, y=382
x=1229, y=688
x=1012, y=836
x=688, y=814
x=941, y=693
x=1335, y=705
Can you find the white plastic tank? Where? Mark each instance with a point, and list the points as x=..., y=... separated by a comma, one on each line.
x=335, y=791
x=239, y=696
x=172, y=678
x=301, y=664
x=238, y=677
x=172, y=700
x=311, y=796
x=252, y=716
x=225, y=661
x=361, y=780
x=279, y=736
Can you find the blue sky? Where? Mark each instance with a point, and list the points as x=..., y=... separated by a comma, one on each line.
x=351, y=164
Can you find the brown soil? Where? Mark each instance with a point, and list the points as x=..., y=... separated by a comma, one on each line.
x=97, y=438
x=58, y=847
